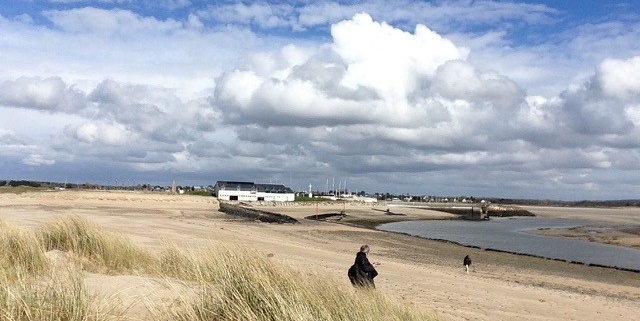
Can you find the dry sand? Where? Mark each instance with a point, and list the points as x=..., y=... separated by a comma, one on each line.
x=417, y=271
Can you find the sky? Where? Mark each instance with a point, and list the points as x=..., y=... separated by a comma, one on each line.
x=513, y=99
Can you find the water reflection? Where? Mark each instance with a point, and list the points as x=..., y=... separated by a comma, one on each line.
x=509, y=234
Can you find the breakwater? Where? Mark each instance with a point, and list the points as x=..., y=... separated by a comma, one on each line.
x=250, y=213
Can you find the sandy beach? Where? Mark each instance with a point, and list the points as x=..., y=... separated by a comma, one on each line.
x=416, y=271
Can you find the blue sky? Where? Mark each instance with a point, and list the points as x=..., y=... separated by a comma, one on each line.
x=536, y=99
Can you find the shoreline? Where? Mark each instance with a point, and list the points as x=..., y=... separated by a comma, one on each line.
x=503, y=251
x=518, y=253
x=501, y=265
x=373, y=224
x=450, y=253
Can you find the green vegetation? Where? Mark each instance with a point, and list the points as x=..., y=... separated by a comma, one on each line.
x=200, y=192
x=18, y=189
x=216, y=283
x=22, y=183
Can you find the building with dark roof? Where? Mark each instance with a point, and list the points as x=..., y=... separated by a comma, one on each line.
x=252, y=192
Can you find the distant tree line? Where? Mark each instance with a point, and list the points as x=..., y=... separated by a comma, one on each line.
x=197, y=190
x=20, y=183
x=16, y=183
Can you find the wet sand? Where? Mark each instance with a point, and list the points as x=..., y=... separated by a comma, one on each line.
x=615, y=226
x=619, y=235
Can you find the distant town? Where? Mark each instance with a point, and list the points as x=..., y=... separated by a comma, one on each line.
x=305, y=195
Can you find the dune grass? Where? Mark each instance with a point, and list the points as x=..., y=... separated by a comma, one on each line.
x=32, y=289
x=59, y=295
x=253, y=288
x=20, y=251
x=99, y=250
x=216, y=283
x=237, y=283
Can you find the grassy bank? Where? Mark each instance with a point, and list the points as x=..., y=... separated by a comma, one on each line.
x=33, y=289
x=18, y=189
x=221, y=283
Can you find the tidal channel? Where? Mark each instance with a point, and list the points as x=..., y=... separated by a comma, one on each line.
x=510, y=235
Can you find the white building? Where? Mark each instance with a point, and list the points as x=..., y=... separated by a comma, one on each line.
x=251, y=192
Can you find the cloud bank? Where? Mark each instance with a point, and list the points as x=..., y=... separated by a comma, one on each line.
x=100, y=95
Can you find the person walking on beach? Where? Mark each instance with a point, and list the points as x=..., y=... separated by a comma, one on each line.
x=362, y=272
x=467, y=263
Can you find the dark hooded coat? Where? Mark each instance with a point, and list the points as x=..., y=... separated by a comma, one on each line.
x=466, y=261
x=362, y=272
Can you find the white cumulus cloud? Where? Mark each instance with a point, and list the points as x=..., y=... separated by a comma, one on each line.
x=620, y=78
x=102, y=133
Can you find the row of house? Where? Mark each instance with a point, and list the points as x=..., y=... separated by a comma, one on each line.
x=252, y=192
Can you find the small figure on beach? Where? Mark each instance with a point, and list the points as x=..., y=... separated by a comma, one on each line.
x=362, y=272
x=467, y=263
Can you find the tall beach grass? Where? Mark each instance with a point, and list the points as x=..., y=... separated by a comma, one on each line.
x=60, y=295
x=236, y=283
x=97, y=249
x=32, y=289
x=20, y=251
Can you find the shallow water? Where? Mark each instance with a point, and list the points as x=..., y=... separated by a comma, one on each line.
x=509, y=234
